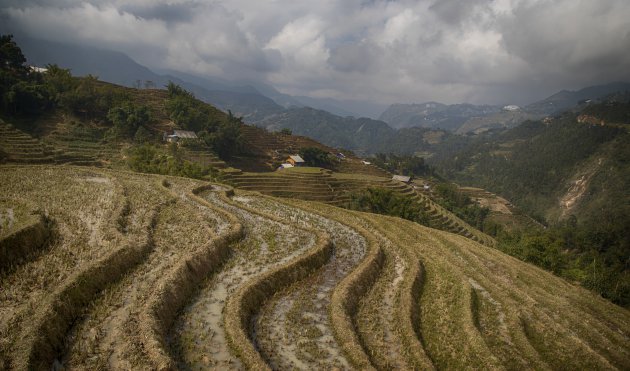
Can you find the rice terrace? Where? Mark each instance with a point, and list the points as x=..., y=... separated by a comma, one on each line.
x=160, y=272
x=163, y=224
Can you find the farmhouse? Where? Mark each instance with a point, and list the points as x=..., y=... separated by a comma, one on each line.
x=402, y=178
x=295, y=160
x=180, y=134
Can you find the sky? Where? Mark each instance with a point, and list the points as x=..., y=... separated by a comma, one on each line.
x=385, y=51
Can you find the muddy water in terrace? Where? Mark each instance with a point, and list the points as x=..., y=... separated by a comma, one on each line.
x=294, y=329
x=199, y=337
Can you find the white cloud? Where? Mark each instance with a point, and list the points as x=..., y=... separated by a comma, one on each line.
x=397, y=50
x=302, y=42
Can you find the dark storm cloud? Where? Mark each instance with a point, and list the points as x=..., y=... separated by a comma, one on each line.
x=455, y=11
x=352, y=57
x=495, y=51
x=565, y=41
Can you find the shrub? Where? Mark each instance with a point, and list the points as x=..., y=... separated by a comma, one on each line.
x=148, y=158
x=128, y=119
x=387, y=202
x=314, y=156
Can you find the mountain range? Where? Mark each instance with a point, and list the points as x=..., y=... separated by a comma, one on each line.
x=333, y=122
x=466, y=118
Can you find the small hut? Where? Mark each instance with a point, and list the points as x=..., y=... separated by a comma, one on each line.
x=180, y=134
x=295, y=160
x=402, y=178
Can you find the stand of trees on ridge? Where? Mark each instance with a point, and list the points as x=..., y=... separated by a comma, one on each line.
x=109, y=113
x=408, y=165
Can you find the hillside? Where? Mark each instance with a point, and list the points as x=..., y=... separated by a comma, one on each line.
x=540, y=163
x=363, y=136
x=105, y=268
x=572, y=174
x=118, y=68
x=566, y=99
x=132, y=281
x=434, y=115
x=358, y=135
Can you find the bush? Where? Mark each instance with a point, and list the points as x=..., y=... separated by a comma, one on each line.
x=596, y=255
x=314, y=156
x=461, y=205
x=387, y=202
x=148, y=158
x=128, y=119
x=403, y=165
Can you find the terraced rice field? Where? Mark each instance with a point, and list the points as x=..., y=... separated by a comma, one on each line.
x=23, y=148
x=134, y=271
x=314, y=184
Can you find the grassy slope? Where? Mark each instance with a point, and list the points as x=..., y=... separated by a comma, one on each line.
x=474, y=306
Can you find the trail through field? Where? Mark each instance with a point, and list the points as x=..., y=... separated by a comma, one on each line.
x=294, y=329
x=198, y=337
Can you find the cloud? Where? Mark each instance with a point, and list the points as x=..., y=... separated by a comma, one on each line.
x=169, y=12
x=484, y=51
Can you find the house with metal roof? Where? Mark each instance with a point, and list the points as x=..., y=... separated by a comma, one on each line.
x=180, y=134
x=295, y=160
x=402, y=178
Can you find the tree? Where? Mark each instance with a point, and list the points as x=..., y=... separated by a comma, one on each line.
x=314, y=156
x=387, y=202
x=12, y=61
x=227, y=139
x=403, y=165
x=58, y=81
x=128, y=118
x=12, y=71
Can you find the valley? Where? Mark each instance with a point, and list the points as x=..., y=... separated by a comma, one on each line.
x=148, y=229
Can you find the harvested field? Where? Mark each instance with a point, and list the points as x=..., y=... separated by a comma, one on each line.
x=139, y=271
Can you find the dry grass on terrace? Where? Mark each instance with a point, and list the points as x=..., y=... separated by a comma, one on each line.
x=304, y=285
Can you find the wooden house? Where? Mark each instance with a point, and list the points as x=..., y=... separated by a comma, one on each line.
x=295, y=160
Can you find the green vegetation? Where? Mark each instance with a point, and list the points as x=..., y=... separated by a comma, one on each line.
x=187, y=112
x=387, y=202
x=317, y=157
x=453, y=200
x=594, y=254
x=28, y=93
x=22, y=91
x=149, y=158
x=539, y=167
x=221, y=134
x=612, y=111
x=529, y=164
x=128, y=119
x=403, y=164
